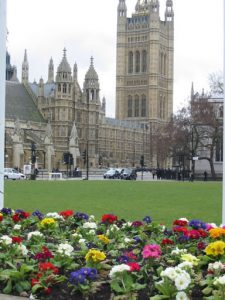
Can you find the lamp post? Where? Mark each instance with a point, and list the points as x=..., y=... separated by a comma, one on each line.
x=2, y=95
x=87, y=141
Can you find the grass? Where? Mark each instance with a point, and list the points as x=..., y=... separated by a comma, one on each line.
x=163, y=201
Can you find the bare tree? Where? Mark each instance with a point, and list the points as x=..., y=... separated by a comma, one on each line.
x=216, y=83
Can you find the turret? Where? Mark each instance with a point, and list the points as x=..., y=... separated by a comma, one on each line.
x=41, y=88
x=154, y=6
x=63, y=77
x=50, y=71
x=169, y=14
x=25, y=69
x=122, y=9
x=91, y=84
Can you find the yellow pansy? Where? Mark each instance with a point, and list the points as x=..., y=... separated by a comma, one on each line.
x=95, y=255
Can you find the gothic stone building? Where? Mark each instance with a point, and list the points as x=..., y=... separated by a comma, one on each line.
x=59, y=116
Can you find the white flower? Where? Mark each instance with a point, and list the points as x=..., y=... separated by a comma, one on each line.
x=90, y=225
x=169, y=272
x=186, y=265
x=182, y=281
x=113, y=227
x=216, y=265
x=17, y=227
x=65, y=249
x=81, y=241
x=23, y=249
x=5, y=239
x=184, y=219
x=127, y=224
x=91, y=232
x=127, y=240
x=178, y=251
x=34, y=233
x=181, y=296
x=76, y=235
x=220, y=280
x=118, y=269
x=91, y=218
x=54, y=215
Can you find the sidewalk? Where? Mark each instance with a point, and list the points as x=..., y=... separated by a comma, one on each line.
x=7, y=297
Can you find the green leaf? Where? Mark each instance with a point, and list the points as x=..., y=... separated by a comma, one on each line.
x=36, y=287
x=159, y=297
x=207, y=290
x=116, y=287
x=8, y=288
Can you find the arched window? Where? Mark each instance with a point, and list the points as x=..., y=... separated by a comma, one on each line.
x=64, y=88
x=130, y=62
x=143, y=106
x=92, y=94
x=136, y=106
x=137, y=62
x=129, y=106
x=144, y=61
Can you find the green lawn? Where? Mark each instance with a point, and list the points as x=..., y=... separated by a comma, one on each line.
x=163, y=201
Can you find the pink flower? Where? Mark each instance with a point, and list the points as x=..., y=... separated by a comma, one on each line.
x=151, y=250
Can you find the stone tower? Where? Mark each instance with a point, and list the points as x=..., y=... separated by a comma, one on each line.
x=63, y=114
x=51, y=71
x=25, y=69
x=144, y=68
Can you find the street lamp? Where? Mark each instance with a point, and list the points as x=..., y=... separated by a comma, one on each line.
x=87, y=140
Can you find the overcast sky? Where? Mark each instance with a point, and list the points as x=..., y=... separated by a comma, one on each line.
x=88, y=28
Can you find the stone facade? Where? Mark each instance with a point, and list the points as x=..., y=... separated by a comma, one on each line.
x=59, y=116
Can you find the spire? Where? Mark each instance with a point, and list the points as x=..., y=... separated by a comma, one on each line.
x=75, y=72
x=25, y=68
x=50, y=71
x=169, y=14
x=192, y=91
x=122, y=9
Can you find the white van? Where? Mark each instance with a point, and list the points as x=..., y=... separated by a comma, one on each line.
x=10, y=173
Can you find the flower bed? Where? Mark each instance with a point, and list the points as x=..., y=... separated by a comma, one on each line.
x=70, y=255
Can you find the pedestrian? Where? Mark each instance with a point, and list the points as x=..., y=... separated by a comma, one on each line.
x=205, y=176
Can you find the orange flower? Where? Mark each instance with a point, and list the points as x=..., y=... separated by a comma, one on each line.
x=217, y=232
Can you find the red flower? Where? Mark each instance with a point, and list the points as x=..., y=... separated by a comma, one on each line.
x=66, y=213
x=201, y=246
x=131, y=255
x=203, y=233
x=180, y=223
x=109, y=218
x=167, y=242
x=48, y=290
x=1, y=217
x=25, y=214
x=46, y=266
x=134, y=267
x=192, y=234
x=16, y=239
x=180, y=229
x=137, y=224
x=16, y=218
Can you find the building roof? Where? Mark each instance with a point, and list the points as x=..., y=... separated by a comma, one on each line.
x=49, y=89
x=19, y=104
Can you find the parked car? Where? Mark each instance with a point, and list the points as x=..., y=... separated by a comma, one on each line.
x=129, y=174
x=10, y=173
x=112, y=174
